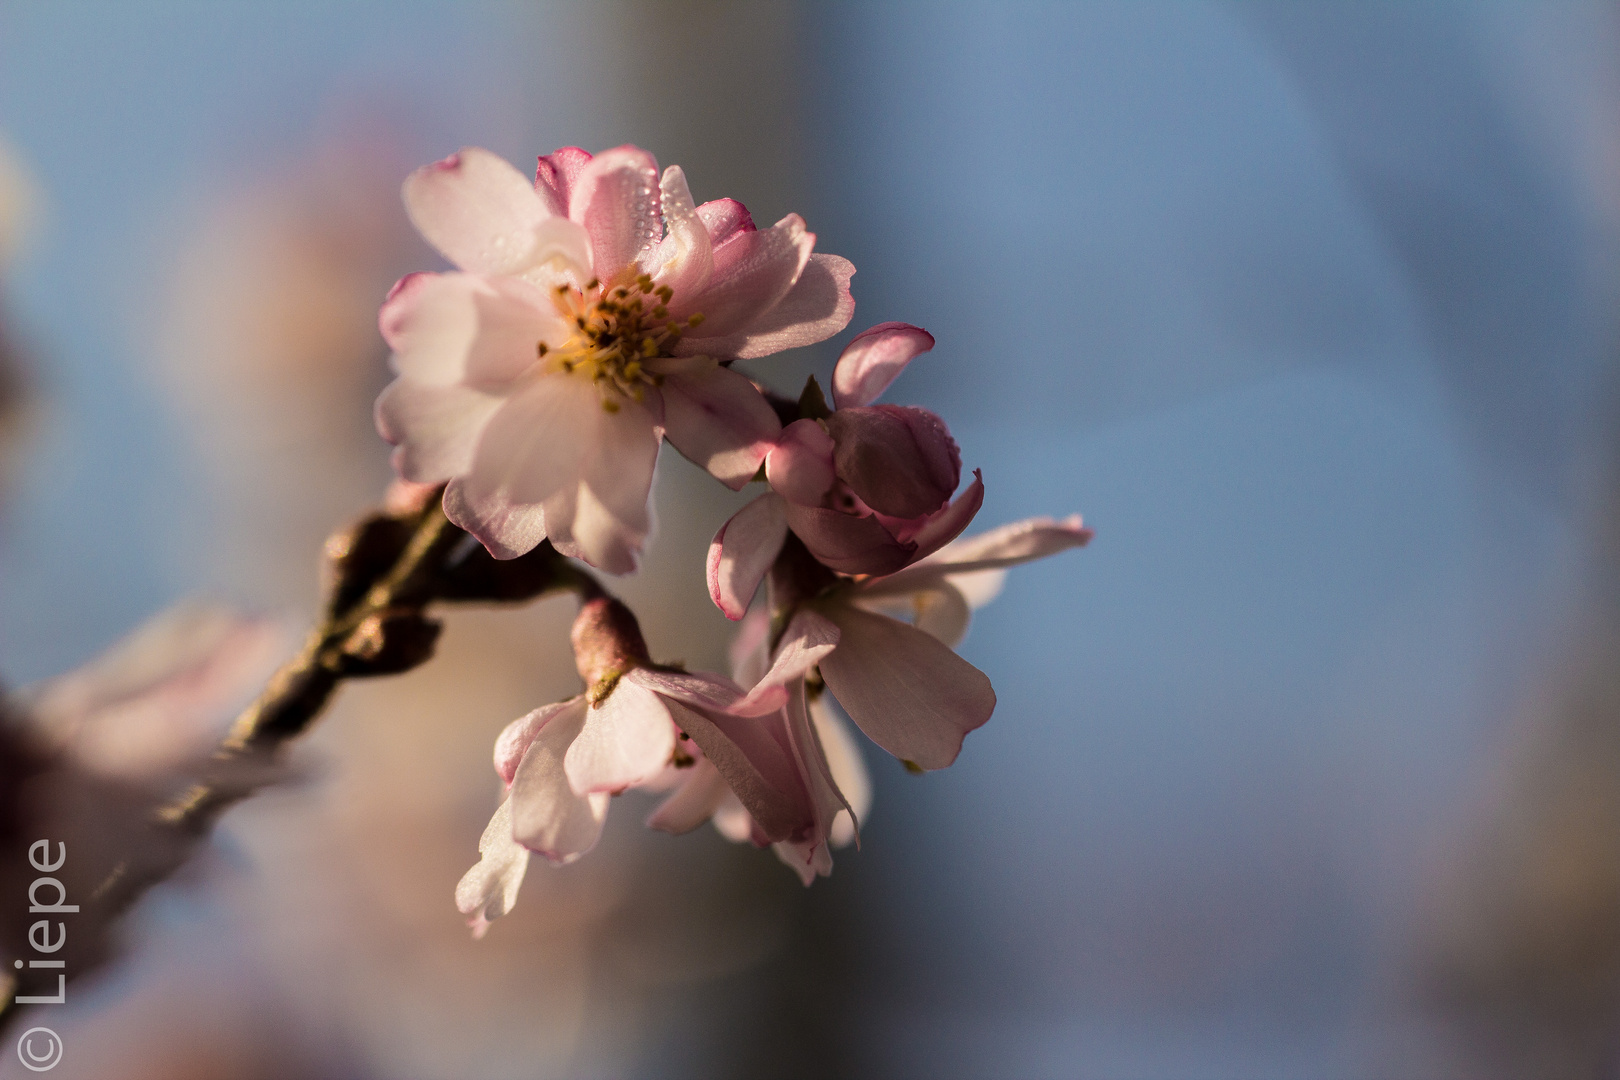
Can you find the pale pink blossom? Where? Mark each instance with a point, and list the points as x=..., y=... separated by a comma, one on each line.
x=637, y=726
x=868, y=488
x=821, y=771
x=593, y=316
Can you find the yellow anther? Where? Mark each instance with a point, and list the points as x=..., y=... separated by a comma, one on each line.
x=593, y=283
x=695, y=320
x=665, y=292
x=609, y=405
x=540, y=350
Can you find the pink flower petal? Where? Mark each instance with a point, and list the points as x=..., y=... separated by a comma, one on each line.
x=448, y=328
x=697, y=689
x=514, y=741
x=694, y=802
x=750, y=649
x=945, y=526
x=547, y=816
x=874, y=359
x=434, y=427
x=742, y=551
x=725, y=218
x=626, y=738
x=800, y=466
x=909, y=693
x=555, y=174
x=685, y=259
x=818, y=306
x=490, y=888
x=755, y=757
x=477, y=209
x=1009, y=545
x=718, y=419
x=900, y=460
x=606, y=519
x=808, y=639
x=808, y=853
x=753, y=271
x=538, y=442
x=615, y=196
x=506, y=528
x=848, y=544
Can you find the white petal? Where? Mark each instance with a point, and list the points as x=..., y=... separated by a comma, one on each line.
x=434, y=427
x=547, y=816
x=615, y=197
x=685, y=260
x=477, y=209
x=538, y=442
x=626, y=739
x=490, y=888
x=462, y=328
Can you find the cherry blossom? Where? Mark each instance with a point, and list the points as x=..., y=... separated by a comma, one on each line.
x=593, y=315
x=639, y=725
x=826, y=772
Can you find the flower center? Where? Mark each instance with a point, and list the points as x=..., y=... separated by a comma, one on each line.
x=617, y=330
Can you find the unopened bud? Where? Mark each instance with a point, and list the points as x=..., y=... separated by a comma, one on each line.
x=607, y=640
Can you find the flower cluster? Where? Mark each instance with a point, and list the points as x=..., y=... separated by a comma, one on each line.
x=595, y=314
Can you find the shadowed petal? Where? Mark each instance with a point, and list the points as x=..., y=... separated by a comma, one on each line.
x=900, y=460
x=1009, y=545
x=742, y=551
x=909, y=693
x=755, y=757
x=808, y=854
x=847, y=767
x=718, y=419
x=874, y=359
x=800, y=465
x=808, y=638
x=848, y=544
x=945, y=526
x=693, y=803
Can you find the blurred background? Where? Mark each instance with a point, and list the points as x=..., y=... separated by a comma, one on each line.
x=1309, y=766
